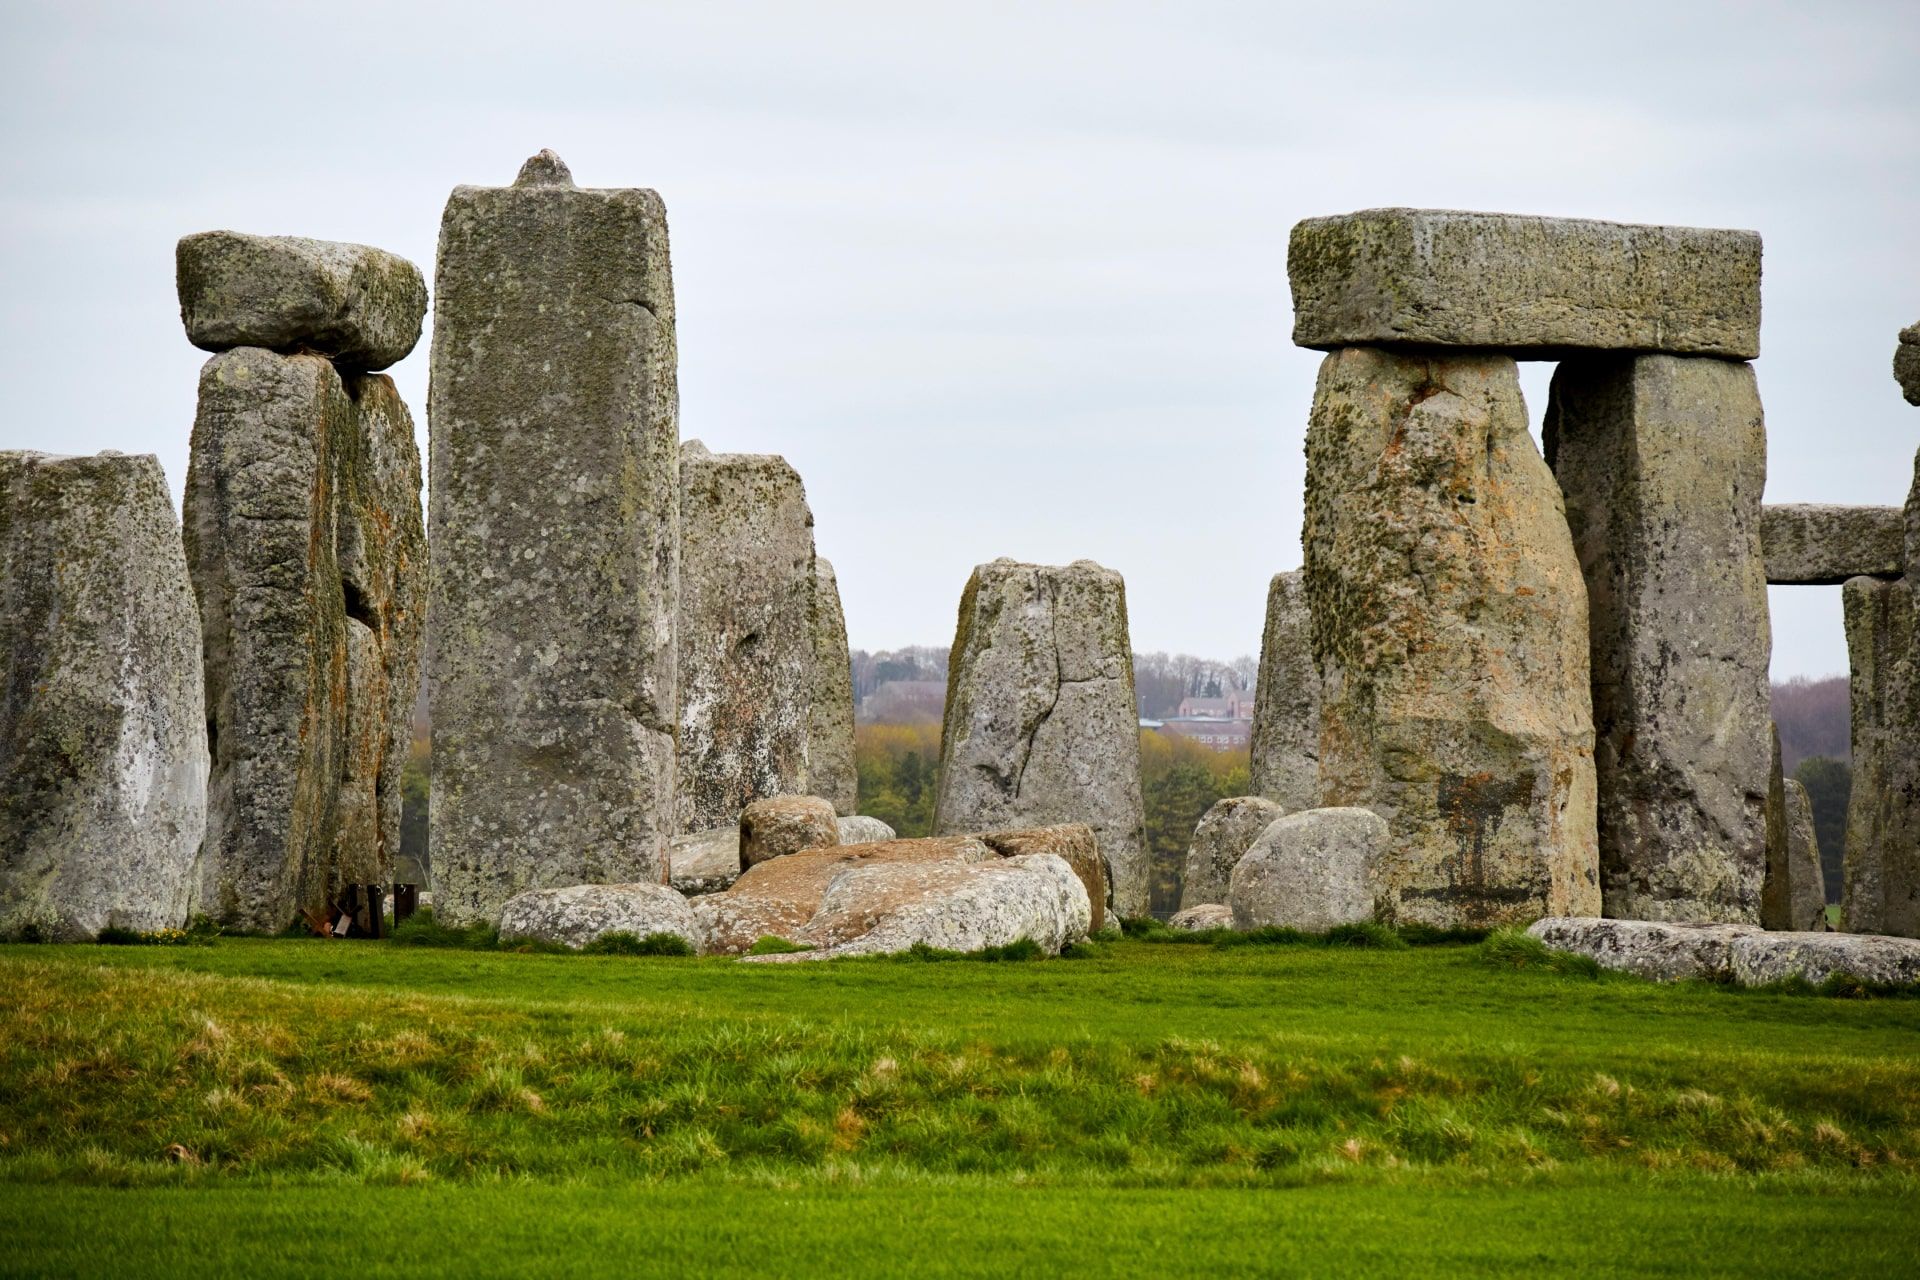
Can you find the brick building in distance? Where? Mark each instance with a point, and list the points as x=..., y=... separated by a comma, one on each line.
x=1224, y=723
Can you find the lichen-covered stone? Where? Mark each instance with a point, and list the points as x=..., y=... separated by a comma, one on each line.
x=1312, y=871
x=1449, y=624
x=747, y=634
x=1224, y=834
x=103, y=751
x=1662, y=950
x=1662, y=460
x=556, y=526
x=704, y=861
x=1041, y=725
x=1906, y=363
x=1073, y=843
x=860, y=829
x=304, y=540
x=582, y=913
x=1758, y=959
x=1881, y=887
x=1807, y=888
x=359, y=306
x=1208, y=915
x=1808, y=544
x=888, y=908
x=1544, y=286
x=1285, y=759
x=780, y=825
x=830, y=770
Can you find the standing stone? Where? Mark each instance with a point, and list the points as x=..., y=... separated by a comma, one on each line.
x=747, y=634
x=103, y=751
x=830, y=769
x=1881, y=888
x=1662, y=460
x=1906, y=363
x=1041, y=725
x=555, y=494
x=1225, y=833
x=1286, y=702
x=1807, y=893
x=1776, y=908
x=1449, y=624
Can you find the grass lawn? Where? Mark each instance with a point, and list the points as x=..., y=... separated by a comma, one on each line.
x=270, y=1107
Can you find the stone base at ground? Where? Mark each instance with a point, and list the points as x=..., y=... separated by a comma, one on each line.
x=575, y=916
x=1210, y=915
x=1311, y=871
x=1738, y=953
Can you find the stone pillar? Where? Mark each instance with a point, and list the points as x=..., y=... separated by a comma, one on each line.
x=1286, y=704
x=1662, y=460
x=1881, y=889
x=103, y=750
x=304, y=538
x=1449, y=624
x=555, y=518
x=1806, y=882
x=1041, y=724
x=747, y=637
x=830, y=768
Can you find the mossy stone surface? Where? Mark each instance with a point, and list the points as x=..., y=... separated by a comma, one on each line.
x=830, y=768
x=1285, y=756
x=1816, y=544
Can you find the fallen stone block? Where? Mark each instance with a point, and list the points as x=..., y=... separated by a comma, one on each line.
x=704, y=861
x=1072, y=842
x=1311, y=871
x=887, y=908
x=1810, y=544
x=1775, y=957
x=1225, y=833
x=1661, y=950
x=860, y=829
x=583, y=913
x=1285, y=756
x=358, y=306
x=1539, y=286
x=1208, y=915
x=781, y=825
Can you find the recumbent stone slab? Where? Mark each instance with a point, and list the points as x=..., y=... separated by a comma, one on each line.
x=103, y=749
x=1285, y=758
x=583, y=913
x=1541, y=286
x=1811, y=544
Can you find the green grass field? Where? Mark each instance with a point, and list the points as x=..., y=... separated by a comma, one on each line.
x=272, y=1107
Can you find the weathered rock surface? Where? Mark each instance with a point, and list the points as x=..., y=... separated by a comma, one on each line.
x=1881, y=890
x=747, y=634
x=359, y=306
x=1775, y=957
x=1661, y=950
x=582, y=913
x=1807, y=888
x=1041, y=725
x=1776, y=911
x=103, y=752
x=704, y=861
x=1906, y=363
x=1073, y=843
x=1449, y=624
x=1225, y=833
x=1208, y=915
x=1447, y=278
x=1311, y=871
x=304, y=539
x=954, y=906
x=556, y=526
x=1662, y=461
x=780, y=825
x=1810, y=544
x=830, y=770
x=1286, y=703
x=860, y=829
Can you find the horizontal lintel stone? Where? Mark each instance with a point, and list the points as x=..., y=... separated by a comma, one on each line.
x=1811, y=544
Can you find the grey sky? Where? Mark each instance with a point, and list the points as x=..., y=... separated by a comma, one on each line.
x=998, y=279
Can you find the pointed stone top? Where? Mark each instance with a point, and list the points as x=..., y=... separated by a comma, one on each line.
x=544, y=170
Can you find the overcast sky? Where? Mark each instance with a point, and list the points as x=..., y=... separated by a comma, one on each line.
x=998, y=279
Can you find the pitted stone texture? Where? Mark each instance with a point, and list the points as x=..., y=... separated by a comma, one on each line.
x=1906, y=363
x=954, y=906
x=1222, y=838
x=1807, y=888
x=1074, y=843
x=1041, y=725
x=860, y=829
x=830, y=770
x=704, y=861
x=1775, y=957
x=103, y=751
x=556, y=525
x=304, y=540
x=1808, y=544
x=1881, y=889
x=359, y=306
x=1286, y=704
x=1661, y=950
x=1448, y=278
x=581, y=913
x=1776, y=911
x=780, y=825
x=1208, y=915
x=1311, y=871
x=1449, y=624
x=747, y=634
x=1662, y=461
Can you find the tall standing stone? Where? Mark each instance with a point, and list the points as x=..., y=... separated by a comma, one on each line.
x=1286, y=701
x=1807, y=886
x=1881, y=888
x=1449, y=622
x=830, y=768
x=1041, y=725
x=555, y=518
x=1662, y=460
x=748, y=657
x=103, y=752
